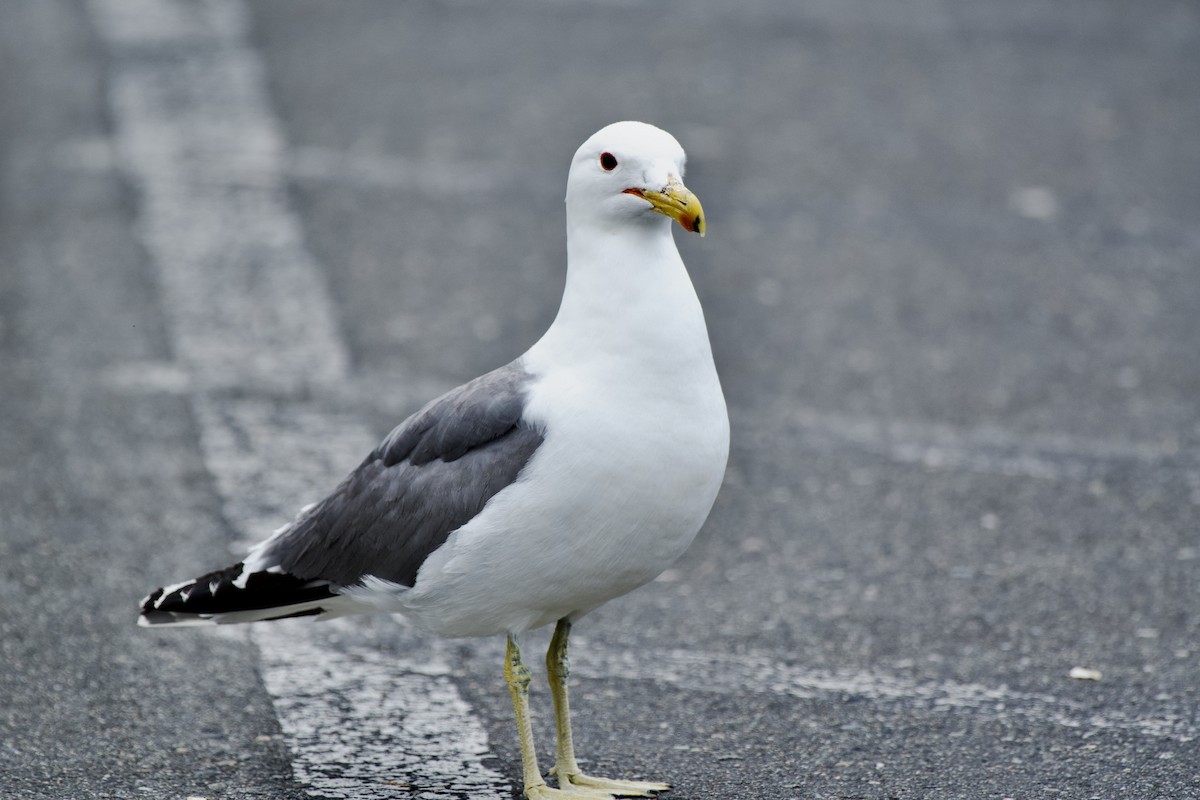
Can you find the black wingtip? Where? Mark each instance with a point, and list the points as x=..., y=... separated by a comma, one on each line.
x=149, y=600
x=229, y=591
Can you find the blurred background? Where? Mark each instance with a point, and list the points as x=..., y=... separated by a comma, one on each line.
x=952, y=286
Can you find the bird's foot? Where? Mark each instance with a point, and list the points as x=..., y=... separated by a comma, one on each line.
x=568, y=792
x=616, y=788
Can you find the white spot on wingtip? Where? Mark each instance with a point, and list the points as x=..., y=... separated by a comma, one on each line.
x=175, y=587
x=168, y=590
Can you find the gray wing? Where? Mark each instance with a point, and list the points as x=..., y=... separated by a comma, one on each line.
x=429, y=476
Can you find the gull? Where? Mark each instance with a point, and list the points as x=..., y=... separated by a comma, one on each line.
x=538, y=491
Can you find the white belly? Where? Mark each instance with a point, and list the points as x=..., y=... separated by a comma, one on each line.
x=615, y=493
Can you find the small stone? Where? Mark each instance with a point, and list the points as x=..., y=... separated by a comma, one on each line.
x=1034, y=202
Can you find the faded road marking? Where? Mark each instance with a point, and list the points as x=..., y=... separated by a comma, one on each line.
x=367, y=725
x=1052, y=456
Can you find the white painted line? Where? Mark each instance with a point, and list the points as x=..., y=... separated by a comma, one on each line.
x=367, y=725
x=248, y=308
x=195, y=137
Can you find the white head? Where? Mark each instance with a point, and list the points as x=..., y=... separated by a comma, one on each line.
x=627, y=174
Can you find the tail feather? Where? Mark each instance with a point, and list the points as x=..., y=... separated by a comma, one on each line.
x=232, y=595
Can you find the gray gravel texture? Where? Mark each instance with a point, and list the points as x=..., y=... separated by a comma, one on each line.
x=951, y=280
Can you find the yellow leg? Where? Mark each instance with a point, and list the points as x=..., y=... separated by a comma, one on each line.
x=517, y=676
x=570, y=777
x=558, y=671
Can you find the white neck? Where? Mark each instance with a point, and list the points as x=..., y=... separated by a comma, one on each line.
x=628, y=300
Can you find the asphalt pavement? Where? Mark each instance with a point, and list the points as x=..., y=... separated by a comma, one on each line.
x=951, y=279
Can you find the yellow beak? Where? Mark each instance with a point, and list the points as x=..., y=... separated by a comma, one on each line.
x=676, y=202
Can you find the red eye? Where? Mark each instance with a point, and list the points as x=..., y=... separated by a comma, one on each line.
x=608, y=161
